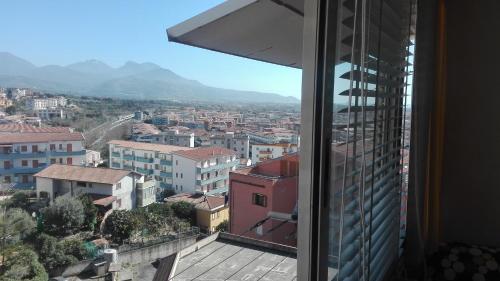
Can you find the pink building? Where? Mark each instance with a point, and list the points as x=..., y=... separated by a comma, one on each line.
x=266, y=193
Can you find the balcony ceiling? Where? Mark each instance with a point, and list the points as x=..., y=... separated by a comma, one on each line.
x=264, y=30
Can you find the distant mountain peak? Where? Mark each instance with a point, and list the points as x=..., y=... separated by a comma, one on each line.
x=132, y=80
x=92, y=66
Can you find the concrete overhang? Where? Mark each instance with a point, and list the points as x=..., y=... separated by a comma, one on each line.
x=263, y=30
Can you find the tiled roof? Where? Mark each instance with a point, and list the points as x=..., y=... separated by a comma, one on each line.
x=86, y=174
x=204, y=153
x=39, y=137
x=164, y=148
x=24, y=128
x=199, y=200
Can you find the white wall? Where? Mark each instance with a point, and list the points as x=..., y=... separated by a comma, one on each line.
x=186, y=167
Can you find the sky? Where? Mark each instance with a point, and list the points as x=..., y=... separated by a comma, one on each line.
x=116, y=31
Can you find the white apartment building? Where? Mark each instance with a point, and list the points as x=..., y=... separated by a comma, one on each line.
x=182, y=169
x=239, y=143
x=203, y=170
x=51, y=113
x=262, y=152
x=44, y=103
x=174, y=137
x=151, y=160
x=108, y=188
x=24, y=154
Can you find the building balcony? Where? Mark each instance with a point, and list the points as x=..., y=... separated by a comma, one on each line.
x=22, y=155
x=165, y=174
x=67, y=153
x=128, y=167
x=25, y=186
x=115, y=154
x=166, y=162
x=165, y=185
x=144, y=160
x=23, y=170
x=116, y=165
x=212, y=180
x=145, y=171
x=231, y=164
x=128, y=157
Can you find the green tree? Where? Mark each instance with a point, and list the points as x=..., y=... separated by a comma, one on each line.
x=23, y=265
x=52, y=253
x=183, y=210
x=75, y=248
x=14, y=225
x=223, y=226
x=161, y=209
x=89, y=210
x=121, y=224
x=64, y=216
x=11, y=110
x=18, y=200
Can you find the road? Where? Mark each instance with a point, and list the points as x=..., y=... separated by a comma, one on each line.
x=96, y=137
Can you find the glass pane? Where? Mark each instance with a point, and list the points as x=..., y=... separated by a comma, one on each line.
x=368, y=113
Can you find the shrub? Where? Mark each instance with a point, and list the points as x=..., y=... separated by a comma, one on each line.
x=121, y=224
x=64, y=216
x=23, y=264
x=223, y=226
x=52, y=253
x=183, y=210
x=90, y=212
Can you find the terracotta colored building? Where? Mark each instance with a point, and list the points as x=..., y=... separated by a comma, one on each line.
x=265, y=193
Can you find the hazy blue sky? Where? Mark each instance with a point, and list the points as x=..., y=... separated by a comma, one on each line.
x=115, y=31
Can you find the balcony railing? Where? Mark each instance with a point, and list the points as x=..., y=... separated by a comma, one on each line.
x=217, y=167
x=212, y=180
x=165, y=174
x=144, y=160
x=145, y=171
x=41, y=154
x=115, y=154
x=128, y=157
x=166, y=162
x=128, y=167
x=25, y=186
x=115, y=165
x=23, y=170
x=165, y=185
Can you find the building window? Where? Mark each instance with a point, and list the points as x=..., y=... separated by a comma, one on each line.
x=60, y=146
x=181, y=175
x=60, y=160
x=52, y=147
x=24, y=179
x=6, y=179
x=119, y=185
x=90, y=185
x=259, y=199
x=119, y=203
x=35, y=163
x=176, y=175
x=24, y=148
x=176, y=162
x=52, y=161
x=6, y=164
x=81, y=184
x=34, y=148
x=24, y=163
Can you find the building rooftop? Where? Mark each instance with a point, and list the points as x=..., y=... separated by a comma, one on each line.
x=164, y=148
x=24, y=128
x=39, y=137
x=204, y=153
x=86, y=174
x=200, y=201
x=225, y=256
x=145, y=129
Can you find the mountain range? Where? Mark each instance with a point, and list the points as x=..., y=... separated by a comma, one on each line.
x=131, y=81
